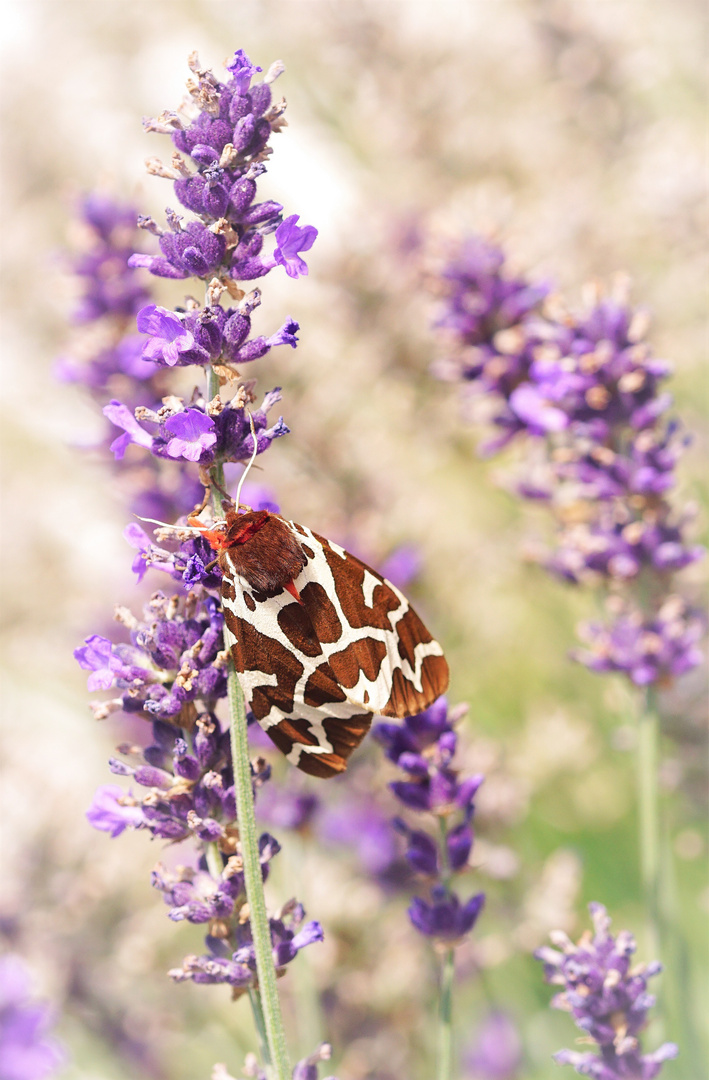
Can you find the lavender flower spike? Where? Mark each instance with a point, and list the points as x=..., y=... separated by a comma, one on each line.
x=608, y=1000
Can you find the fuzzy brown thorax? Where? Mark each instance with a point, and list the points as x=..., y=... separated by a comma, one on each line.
x=261, y=548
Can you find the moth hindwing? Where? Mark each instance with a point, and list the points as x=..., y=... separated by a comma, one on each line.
x=321, y=651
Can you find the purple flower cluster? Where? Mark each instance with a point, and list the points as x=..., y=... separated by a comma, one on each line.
x=191, y=433
x=175, y=659
x=106, y=350
x=220, y=153
x=607, y=998
x=231, y=956
x=106, y=355
x=172, y=669
x=588, y=389
x=27, y=1051
x=225, y=147
x=423, y=747
x=186, y=789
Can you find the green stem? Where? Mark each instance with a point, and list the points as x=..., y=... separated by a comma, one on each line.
x=445, y=1019
x=259, y=1021
x=253, y=880
x=217, y=471
x=265, y=1003
x=445, y=1005
x=649, y=818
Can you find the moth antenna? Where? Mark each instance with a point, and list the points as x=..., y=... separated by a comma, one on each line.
x=237, y=500
x=166, y=525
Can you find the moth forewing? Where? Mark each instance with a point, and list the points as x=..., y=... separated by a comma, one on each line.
x=385, y=659
x=316, y=668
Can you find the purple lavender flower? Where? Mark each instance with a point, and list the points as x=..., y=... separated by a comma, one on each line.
x=608, y=999
x=208, y=335
x=649, y=650
x=237, y=966
x=290, y=241
x=176, y=658
x=424, y=747
x=226, y=144
x=194, y=436
x=190, y=435
x=170, y=341
x=27, y=1051
x=496, y=1053
x=110, y=286
x=194, y=251
x=589, y=385
x=445, y=918
x=113, y=810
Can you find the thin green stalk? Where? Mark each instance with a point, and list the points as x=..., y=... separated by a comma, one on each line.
x=259, y=1021
x=309, y=1023
x=217, y=472
x=445, y=1003
x=265, y=1003
x=445, y=1019
x=649, y=818
x=260, y=929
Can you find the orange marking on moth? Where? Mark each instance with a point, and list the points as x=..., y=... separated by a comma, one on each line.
x=290, y=587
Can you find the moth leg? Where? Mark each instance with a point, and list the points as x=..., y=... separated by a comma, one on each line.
x=209, y=483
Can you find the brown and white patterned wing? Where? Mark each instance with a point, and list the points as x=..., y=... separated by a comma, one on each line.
x=287, y=680
x=380, y=653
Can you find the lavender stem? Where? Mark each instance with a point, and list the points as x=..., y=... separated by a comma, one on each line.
x=253, y=880
x=445, y=1018
x=259, y=1021
x=649, y=817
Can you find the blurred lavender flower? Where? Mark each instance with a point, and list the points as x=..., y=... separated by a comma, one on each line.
x=27, y=1051
x=608, y=999
x=423, y=747
x=588, y=389
x=496, y=1053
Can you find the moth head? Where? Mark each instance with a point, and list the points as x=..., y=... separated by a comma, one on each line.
x=240, y=528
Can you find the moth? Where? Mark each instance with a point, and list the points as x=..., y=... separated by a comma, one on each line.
x=320, y=641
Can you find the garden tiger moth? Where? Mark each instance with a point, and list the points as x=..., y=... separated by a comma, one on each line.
x=320, y=641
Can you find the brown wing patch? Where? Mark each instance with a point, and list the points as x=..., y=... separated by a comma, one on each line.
x=320, y=608
x=321, y=688
x=254, y=651
x=406, y=700
x=410, y=631
x=365, y=654
x=343, y=734
x=349, y=582
x=297, y=627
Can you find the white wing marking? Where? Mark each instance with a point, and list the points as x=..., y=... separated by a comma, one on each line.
x=265, y=620
x=368, y=586
x=318, y=569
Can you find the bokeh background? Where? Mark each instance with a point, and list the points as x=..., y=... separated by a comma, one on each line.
x=574, y=132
